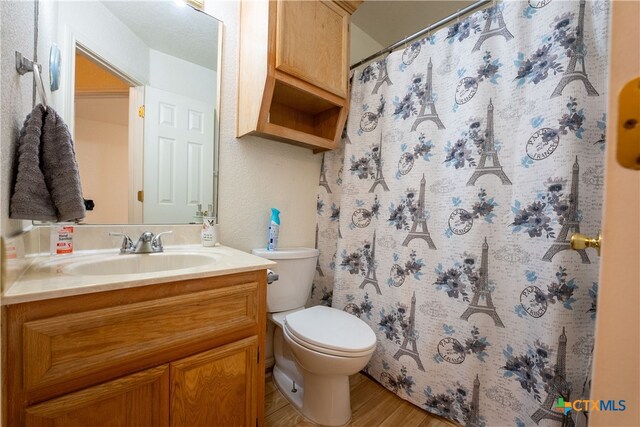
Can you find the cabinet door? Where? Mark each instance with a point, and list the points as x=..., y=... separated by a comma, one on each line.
x=138, y=400
x=217, y=387
x=312, y=43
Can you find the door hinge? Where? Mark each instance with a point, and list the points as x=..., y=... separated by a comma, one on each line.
x=258, y=356
x=141, y=196
x=141, y=111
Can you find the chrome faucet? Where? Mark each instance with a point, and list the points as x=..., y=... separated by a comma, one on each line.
x=146, y=244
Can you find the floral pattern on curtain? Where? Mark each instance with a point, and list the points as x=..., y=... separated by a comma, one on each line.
x=468, y=160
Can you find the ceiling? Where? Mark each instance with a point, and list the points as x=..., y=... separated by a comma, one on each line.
x=177, y=31
x=389, y=21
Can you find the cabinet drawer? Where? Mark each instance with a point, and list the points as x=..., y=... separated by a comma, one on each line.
x=78, y=349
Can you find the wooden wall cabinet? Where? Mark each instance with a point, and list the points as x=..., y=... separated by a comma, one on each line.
x=182, y=354
x=294, y=69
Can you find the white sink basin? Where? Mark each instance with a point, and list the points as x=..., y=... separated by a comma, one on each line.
x=139, y=263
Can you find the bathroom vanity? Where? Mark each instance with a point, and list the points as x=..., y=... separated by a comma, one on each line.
x=181, y=348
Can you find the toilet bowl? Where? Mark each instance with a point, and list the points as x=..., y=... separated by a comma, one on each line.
x=328, y=346
x=315, y=349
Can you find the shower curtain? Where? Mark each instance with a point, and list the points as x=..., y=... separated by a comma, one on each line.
x=468, y=160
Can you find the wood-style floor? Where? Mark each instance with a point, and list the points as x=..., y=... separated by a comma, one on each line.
x=371, y=405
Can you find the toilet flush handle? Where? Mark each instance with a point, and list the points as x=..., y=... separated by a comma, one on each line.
x=272, y=276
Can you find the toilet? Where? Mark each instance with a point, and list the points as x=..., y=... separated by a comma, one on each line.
x=315, y=349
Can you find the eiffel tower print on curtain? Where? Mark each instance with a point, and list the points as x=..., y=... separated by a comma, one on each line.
x=489, y=153
x=323, y=176
x=577, y=58
x=494, y=13
x=420, y=221
x=370, y=278
x=344, y=137
x=383, y=76
x=559, y=389
x=379, y=180
x=318, y=268
x=474, y=414
x=571, y=223
x=482, y=291
x=410, y=338
x=427, y=101
x=476, y=299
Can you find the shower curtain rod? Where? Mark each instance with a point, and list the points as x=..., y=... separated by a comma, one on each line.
x=424, y=31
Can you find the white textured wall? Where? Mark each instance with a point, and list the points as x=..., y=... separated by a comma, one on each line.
x=16, y=33
x=362, y=45
x=257, y=174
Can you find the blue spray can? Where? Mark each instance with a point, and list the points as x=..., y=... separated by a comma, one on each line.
x=274, y=229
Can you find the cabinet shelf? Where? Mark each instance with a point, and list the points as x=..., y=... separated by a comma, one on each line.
x=296, y=114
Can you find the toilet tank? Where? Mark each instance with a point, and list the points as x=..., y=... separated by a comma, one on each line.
x=296, y=268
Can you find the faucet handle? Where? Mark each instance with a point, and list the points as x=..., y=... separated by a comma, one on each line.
x=156, y=243
x=127, y=243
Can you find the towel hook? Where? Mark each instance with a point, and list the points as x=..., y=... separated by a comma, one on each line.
x=23, y=66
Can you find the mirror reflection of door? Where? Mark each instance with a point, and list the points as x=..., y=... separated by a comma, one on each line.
x=144, y=154
x=101, y=134
x=141, y=160
x=178, y=152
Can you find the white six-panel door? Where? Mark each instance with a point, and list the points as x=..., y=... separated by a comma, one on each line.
x=178, y=156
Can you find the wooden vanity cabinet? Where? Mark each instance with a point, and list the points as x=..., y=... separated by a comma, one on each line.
x=177, y=354
x=294, y=69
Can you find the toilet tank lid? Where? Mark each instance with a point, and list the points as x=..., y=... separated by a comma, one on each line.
x=287, y=253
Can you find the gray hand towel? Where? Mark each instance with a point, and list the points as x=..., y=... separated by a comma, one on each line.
x=61, y=168
x=31, y=198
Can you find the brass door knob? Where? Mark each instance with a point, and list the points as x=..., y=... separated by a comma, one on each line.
x=580, y=241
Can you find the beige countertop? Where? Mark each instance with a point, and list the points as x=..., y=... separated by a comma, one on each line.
x=51, y=276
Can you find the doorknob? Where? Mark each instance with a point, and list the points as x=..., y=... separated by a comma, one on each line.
x=580, y=241
x=628, y=152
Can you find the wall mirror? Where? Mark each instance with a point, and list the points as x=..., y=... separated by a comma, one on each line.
x=139, y=91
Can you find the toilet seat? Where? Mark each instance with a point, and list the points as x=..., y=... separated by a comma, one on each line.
x=330, y=331
x=322, y=350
